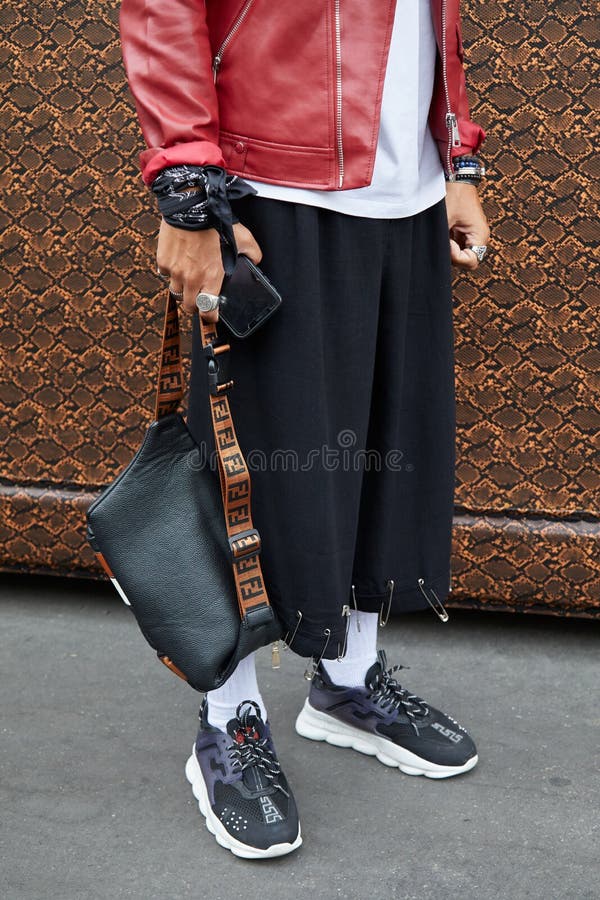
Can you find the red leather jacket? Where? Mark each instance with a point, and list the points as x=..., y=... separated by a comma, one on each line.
x=284, y=92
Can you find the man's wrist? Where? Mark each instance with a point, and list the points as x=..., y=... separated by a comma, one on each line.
x=466, y=168
x=195, y=198
x=182, y=196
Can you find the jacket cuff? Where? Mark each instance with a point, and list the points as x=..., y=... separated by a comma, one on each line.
x=194, y=153
x=472, y=137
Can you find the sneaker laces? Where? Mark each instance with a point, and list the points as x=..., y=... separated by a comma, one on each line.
x=388, y=693
x=248, y=749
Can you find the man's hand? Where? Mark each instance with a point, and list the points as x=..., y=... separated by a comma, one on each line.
x=193, y=260
x=467, y=223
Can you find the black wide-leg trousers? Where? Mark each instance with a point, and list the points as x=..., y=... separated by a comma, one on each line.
x=344, y=406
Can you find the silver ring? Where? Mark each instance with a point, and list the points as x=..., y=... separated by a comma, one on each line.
x=162, y=275
x=207, y=302
x=479, y=251
x=177, y=294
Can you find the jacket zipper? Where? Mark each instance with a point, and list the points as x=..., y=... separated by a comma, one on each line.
x=451, y=123
x=218, y=58
x=238, y=21
x=338, y=94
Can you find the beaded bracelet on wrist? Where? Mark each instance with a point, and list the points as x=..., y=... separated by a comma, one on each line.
x=467, y=169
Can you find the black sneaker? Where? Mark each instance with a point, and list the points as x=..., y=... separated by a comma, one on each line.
x=385, y=720
x=240, y=788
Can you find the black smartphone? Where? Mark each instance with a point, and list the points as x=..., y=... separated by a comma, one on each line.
x=249, y=299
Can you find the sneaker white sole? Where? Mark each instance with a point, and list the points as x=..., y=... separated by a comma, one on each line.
x=318, y=726
x=193, y=774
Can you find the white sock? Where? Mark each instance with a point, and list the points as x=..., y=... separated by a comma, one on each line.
x=361, y=651
x=241, y=685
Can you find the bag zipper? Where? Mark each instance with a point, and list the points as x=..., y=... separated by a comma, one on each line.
x=451, y=122
x=237, y=23
x=338, y=94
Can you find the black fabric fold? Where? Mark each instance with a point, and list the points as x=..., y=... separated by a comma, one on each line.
x=198, y=197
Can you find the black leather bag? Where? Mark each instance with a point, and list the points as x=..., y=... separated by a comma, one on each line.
x=177, y=539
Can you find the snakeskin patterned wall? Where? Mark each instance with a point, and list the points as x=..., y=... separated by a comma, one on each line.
x=81, y=311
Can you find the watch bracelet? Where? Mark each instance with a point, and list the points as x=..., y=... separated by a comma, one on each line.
x=466, y=167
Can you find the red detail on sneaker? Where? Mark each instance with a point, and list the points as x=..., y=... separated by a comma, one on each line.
x=240, y=735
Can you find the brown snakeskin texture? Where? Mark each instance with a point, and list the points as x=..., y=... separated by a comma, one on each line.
x=82, y=308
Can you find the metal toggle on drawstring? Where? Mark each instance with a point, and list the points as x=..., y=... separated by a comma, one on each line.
x=383, y=621
x=437, y=605
x=275, y=657
x=313, y=666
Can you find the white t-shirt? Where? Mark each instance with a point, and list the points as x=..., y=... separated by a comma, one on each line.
x=408, y=176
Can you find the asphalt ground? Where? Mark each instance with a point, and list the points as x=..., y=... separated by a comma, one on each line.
x=95, y=733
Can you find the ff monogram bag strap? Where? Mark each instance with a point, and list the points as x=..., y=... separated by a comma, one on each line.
x=244, y=539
